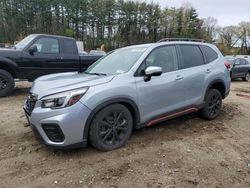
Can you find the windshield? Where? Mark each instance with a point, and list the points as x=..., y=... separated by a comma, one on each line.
x=23, y=43
x=117, y=62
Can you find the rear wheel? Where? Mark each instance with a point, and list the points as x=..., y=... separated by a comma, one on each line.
x=213, y=103
x=7, y=83
x=247, y=77
x=111, y=127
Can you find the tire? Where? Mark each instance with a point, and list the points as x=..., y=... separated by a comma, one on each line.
x=111, y=127
x=247, y=76
x=213, y=103
x=7, y=83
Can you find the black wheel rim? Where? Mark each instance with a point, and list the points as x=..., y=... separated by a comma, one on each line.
x=113, y=128
x=214, y=105
x=3, y=83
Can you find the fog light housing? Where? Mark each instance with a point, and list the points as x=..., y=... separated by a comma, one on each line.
x=54, y=132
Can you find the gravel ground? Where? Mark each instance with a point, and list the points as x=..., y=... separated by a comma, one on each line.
x=184, y=152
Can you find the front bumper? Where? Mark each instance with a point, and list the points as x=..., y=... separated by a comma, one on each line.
x=71, y=122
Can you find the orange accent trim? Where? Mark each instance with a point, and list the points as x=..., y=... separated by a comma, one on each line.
x=242, y=95
x=171, y=116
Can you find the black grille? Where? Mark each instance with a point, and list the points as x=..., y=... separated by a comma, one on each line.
x=30, y=103
x=53, y=132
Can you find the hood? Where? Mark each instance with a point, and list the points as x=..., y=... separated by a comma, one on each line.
x=56, y=83
x=10, y=52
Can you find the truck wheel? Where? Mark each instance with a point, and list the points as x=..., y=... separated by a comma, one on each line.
x=213, y=102
x=111, y=127
x=7, y=83
x=247, y=76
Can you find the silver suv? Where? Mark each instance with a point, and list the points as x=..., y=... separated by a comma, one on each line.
x=129, y=88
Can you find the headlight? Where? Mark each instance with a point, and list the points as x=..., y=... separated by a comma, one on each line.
x=64, y=99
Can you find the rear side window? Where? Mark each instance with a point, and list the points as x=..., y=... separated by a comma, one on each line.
x=243, y=62
x=209, y=53
x=191, y=56
x=69, y=46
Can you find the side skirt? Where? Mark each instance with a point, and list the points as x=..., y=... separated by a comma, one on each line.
x=171, y=115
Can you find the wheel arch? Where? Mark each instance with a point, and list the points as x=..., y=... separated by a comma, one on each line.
x=219, y=85
x=130, y=104
x=9, y=66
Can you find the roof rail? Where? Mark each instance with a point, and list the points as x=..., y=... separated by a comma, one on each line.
x=181, y=39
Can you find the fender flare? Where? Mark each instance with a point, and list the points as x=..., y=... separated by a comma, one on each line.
x=131, y=103
x=11, y=65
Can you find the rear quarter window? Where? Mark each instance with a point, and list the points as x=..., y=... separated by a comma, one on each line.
x=191, y=56
x=69, y=46
x=243, y=62
x=209, y=53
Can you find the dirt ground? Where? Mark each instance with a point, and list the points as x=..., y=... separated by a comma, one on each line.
x=184, y=152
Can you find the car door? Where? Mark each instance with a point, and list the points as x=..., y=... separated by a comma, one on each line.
x=46, y=60
x=70, y=56
x=243, y=67
x=162, y=94
x=237, y=69
x=194, y=72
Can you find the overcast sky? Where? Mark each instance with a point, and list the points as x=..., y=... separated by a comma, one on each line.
x=228, y=12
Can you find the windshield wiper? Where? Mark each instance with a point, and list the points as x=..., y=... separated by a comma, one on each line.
x=95, y=73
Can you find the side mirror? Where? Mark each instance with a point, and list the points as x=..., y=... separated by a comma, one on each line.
x=152, y=71
x=33, y=49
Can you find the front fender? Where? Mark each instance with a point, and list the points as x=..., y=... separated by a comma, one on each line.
x=9, y=66
x=122, y=100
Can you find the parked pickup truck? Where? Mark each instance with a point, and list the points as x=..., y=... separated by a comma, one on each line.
x=38, y=55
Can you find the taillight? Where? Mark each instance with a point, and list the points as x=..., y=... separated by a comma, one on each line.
x=227, y=64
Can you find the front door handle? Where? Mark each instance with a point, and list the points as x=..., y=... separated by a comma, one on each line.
x=59, y=58
x=208, y=71
x=179, y=77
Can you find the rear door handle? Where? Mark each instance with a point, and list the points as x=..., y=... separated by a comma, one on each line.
x=208, y=71
x=179, y=77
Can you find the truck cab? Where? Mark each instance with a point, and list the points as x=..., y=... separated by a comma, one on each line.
x=40, y=54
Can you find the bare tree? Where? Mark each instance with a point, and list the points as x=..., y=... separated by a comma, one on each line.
x=227, y=34
x=243, y=34
x=210, y=24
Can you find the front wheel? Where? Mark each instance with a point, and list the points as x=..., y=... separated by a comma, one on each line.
x=247, y=76
x=111, y=127
x=213, y=103
x=7, y=83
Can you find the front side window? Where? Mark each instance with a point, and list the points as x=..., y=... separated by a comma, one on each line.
x=237, y=62
x=47, y=45
x=191, y=56
x=164, y=57
x=117, y=62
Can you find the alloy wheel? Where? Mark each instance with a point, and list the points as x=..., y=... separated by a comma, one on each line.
x=113, y=127
x=214, y=105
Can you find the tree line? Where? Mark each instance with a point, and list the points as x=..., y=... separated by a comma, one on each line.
x=114, y=23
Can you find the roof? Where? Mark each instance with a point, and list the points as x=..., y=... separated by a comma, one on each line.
x=47, y=35
x=165, y=43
